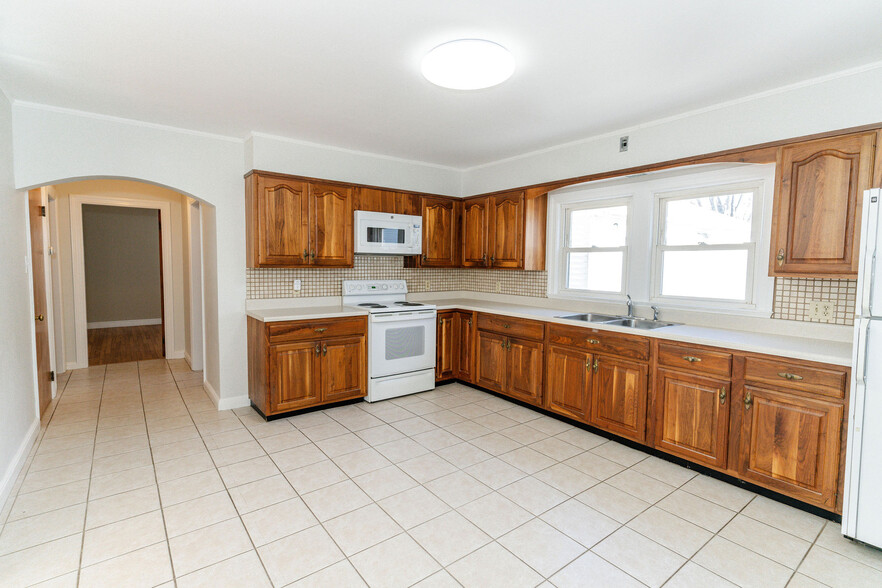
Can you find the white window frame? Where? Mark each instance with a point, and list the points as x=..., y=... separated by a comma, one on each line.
x=566, y=212
x=661, y=199
x=641, y=280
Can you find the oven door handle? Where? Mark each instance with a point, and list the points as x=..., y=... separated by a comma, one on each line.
x=402, y=316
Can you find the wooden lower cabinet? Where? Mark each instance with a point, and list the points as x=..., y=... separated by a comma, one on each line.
x=445, y=353
x=618, y=399
x=790, y=443
x=299, y=364
x=692, y=416
x=510, y=365
x=490, y=368
x=568, y=381
x=463, y=347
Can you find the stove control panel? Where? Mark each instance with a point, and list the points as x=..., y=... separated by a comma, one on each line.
x=351, y=287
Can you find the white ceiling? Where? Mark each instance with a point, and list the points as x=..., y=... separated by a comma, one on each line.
x=346, y=72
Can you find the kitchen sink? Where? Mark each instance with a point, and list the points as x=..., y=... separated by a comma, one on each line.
x=619, y=321
x=590, y=317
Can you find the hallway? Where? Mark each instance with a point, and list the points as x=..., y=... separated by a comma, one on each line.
x=124, y=344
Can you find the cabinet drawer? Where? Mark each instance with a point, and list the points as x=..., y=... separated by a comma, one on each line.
x=315, y=329
x=827, y=381
x=510, y=326
x=695, y=360
x=598, y=341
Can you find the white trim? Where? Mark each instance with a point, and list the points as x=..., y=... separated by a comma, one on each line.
x=17, y=463
x=79, y=271
x=55, y=286
x=129, y=323
x=195, y=358
x=212, y=393
x=226, y=403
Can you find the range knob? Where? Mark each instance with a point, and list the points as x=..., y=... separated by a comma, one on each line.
x=385, y=286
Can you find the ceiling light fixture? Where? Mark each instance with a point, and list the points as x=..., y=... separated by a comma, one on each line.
x=468, y=64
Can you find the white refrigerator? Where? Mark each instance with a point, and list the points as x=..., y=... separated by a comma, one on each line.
x=862, y=506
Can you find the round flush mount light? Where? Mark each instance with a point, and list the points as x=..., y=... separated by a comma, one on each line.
x=468, y=64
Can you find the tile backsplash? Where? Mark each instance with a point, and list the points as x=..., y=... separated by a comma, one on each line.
x=791, y=302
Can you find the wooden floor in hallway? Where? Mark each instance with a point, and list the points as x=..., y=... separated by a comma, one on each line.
x=123, y=344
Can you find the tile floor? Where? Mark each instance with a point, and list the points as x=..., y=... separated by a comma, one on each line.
x=138, y=481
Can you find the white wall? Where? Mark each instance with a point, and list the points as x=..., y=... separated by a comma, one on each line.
x=828, y=104
x=19, y=420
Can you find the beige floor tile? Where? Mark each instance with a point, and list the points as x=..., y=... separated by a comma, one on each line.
x=463, y=455
x=339, y=575
x=42, y=528
x=404, y=449
x=696, y=510
x=48, y=446
x=741, y=566
x=183, y=466
x=122, y=462
x=279, y=520
x=640, y=557
x=208, y=546
x=297, y=457
x=396, y=562
x=237, y=453
x=678, y=535
x=269, y=429
x=457, y=489
x=527, y=460
x=443, y=418
x=51, y=478
x=190, y=487
x=42, y=501
x=241, y=570
x=692, y=575
x=147, y=567
x=612, y=502
x=643, y=487
x=495, y=473
x=384, y=482
x=413, y=426
x=493, y=566
x=80, y=454
x=426, y=468
x=621, y=454
x=361, y=462
x=248, y=471
x=665, y=471
x=119, y=482
x=234, y=437
x=523, y=434
x=580, y=522
x=166, y=437
x=341, y=445
x=495, y=514
x=568, y=480
x=803, y=581
x=380, y=434
x=440, y=579
x=495, y=444
x=121, y=446
x=121, y=537
x=325, y=431
x=198, y=513
x=414, y=506
x=468, y=430
x=287, y=440
x=362, y=528
x=765, y=540
x=541, y=546
x=837, y=570
x=494, y=422
x=719, y=492
x=256, y=495
x=556, y=449
x=592, y=571
x=178, y=449
x=42, y=562
x=449, y=537
x=831, y=538
x=315, y=476
x=299, y=555
x=310, y=419
x=64, y=581
x=533, y=495
x=796, y=522
x=124, y=505
x=594, y=465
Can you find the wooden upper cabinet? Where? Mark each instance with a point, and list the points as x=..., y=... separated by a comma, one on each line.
x=507, y=230
x=277, y=214
x=569, y=381
x=818, y=196
x=330, y=207
x=476, y=232
x=440, y=237
x=618, y=397
x=379, y=200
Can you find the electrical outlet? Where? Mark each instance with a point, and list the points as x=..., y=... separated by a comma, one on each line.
x=298, y=284
x=821, y=310
x=427, y=285
x=623, y=143
x=498, y=287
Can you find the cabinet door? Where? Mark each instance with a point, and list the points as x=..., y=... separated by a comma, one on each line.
x=569, y=381
x=344, y=368
x=331, y=233
x=692, y=416
x=282, y=222
x=294, y=381
x=406, y=203
x=790, y=443
x=439, y=233
x=524, y=370
x=463, y=347
x=490, y=361
x=374, y=199
x=507, y=230
x=444, y=347
x=818, y=206
x=618, y=397
x=475, y=232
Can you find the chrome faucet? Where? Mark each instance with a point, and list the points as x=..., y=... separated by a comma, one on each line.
x=654, y=312
x=630, y=306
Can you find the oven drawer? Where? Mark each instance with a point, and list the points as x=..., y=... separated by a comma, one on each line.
x=315, y=329
x=511, y=326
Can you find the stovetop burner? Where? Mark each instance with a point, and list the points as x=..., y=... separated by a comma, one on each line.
x=408, y=304
x=372, y=305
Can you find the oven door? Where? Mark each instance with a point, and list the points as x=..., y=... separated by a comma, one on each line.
x=401, y=342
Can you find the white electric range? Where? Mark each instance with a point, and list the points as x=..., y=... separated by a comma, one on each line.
x=401, y=337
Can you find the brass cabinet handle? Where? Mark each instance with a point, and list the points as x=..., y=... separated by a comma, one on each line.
x=306, y=254
x=588, y=363
x=470, y=322
x=780, y=257
x=321, y=330
x=40, y=317
x=492, y=259
x=324, y=349
x=691, y=358
x=593, y=341
x=596, y=363
x=505, y=325
x=789, y=376
x=312, y=254
x=318, y=348
x=722, y=396
x=484, y=259
x=748, y=400
x=425, y=259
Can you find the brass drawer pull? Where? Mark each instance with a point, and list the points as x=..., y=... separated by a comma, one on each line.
x=321, y=330
x=748, y=400
x=780, y=257
x=722, y=396
x=324, y=349
x=506, y=325
x=596, y=363
x=789, y=376
x=691, y=358
x=593, y=341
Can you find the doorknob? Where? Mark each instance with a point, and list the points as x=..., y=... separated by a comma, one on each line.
x=39, y=317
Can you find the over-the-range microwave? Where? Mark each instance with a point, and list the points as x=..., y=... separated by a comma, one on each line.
x=388, y=234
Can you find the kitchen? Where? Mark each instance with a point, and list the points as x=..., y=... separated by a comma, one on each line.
x=495, y=258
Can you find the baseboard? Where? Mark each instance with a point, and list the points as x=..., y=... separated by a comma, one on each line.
x=175, y=355
x=212, y=393
x=18, y=461
x=188, y=359
x=73, y=365
x=131, y=323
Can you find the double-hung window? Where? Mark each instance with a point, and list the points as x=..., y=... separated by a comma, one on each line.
x=595, y=247
x=706, y=245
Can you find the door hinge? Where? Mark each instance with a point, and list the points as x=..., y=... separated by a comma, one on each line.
x=52, y=376
x=42, y=211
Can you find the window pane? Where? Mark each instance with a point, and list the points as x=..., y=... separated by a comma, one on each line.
x=705, y=274
x=598, y=227
x=600, y=271
x=713, y=220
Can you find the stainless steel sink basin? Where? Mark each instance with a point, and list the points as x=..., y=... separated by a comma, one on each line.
x=590, y=317
x=636, y=323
